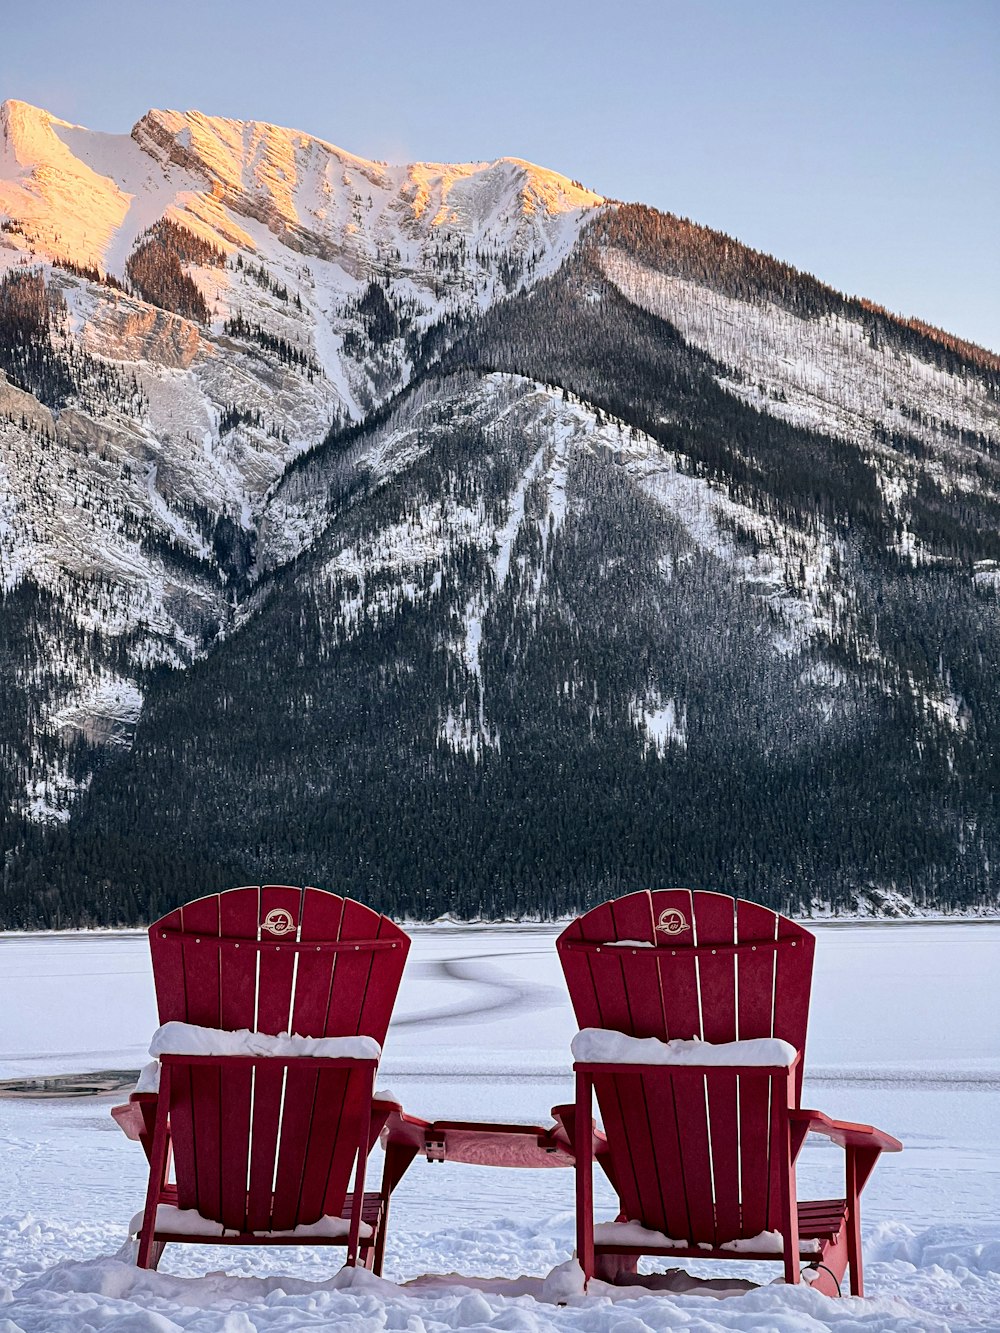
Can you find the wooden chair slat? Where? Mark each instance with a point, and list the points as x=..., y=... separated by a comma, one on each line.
x=696, y=1164
x=182, y=1138
x=792, y=988
x=633, y=920
x=352, y=972
x=211, y=1159
x=201, y=962
x=353, y=1128
x=296, y=1132
x=715, y=923
x=239, y=913
x=267, y=1087
x=755, y=1154
x=328, y=1124
x=679, y=985
x=670, y=1147
x=724, y=1127
x=322, y=914
x=755, y=971
x=615, y=1114
x=235, y=1092
x=168, y=968
x=280, y=906
x=383, y=982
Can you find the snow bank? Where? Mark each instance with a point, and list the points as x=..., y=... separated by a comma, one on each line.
x=939, y=1281
x=601, y=1046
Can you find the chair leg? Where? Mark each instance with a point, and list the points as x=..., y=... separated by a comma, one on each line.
x=584, y=1177
x=854, y=1225
x=150, y=1249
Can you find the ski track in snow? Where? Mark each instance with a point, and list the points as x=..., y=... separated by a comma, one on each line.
x=69, y=1181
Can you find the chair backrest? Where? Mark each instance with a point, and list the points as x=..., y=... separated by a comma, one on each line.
x=270, y=1144
x=704, y=965
x=278, y=959
x=697, y=1155
x=691, y=1154
x=266, y=1145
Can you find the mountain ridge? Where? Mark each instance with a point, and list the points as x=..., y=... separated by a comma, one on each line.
x=485, y=454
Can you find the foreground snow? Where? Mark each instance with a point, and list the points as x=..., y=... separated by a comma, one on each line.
x=941, y=1279
x=891, y=1042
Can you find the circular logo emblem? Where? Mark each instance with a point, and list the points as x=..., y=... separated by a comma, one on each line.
x=672, y=921
x=278, y=922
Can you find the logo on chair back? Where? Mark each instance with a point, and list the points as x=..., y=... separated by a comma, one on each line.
x=278, y=922
x=672, y=921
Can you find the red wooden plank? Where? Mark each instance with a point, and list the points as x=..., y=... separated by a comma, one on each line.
x=235, y=1091
x=724, y=1127
x=383, y=981
x=755, y=1149
x=633, y=920
x=351, y=971
x=351, y=1139
x=280, y=906
x=206, y=1105
x=325, y=1128
x=615, y=1112
x=296, y=1128
x=268, y=1078
x=715, y=923
x=239, y=912
x=679, y=984
x=168, y=968
x=637, y=1155
x=579, y=981
x=792, y=987
x=321, y=917
x=755, y=971
x=674, y=915
x=606, y=976
x=670, y=1148
x=200, y=921
x=782, y=1212
x=692, y=1120
x=182, y=1140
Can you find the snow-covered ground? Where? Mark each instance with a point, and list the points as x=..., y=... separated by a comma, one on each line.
x=905, y=1035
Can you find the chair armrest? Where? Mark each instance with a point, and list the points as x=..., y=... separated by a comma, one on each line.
x=844, y=1132
x=404, y=1130
x=137, y=1119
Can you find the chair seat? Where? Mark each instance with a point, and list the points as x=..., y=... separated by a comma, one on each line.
x=820, y=1223
x=371, y=1214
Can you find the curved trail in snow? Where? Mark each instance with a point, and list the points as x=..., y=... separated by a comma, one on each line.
x=510, y=995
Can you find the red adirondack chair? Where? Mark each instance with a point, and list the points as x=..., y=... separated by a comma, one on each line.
x=704, y=1154
x=264, y=1147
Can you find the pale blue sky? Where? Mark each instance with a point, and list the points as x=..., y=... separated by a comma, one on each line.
x=857, y=139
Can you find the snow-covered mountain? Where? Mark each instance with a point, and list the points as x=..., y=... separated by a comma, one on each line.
x=459, y=490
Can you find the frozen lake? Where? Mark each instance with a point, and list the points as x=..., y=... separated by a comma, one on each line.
x=905, y=1034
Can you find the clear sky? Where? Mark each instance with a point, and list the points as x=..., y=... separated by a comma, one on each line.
x=858, y=139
